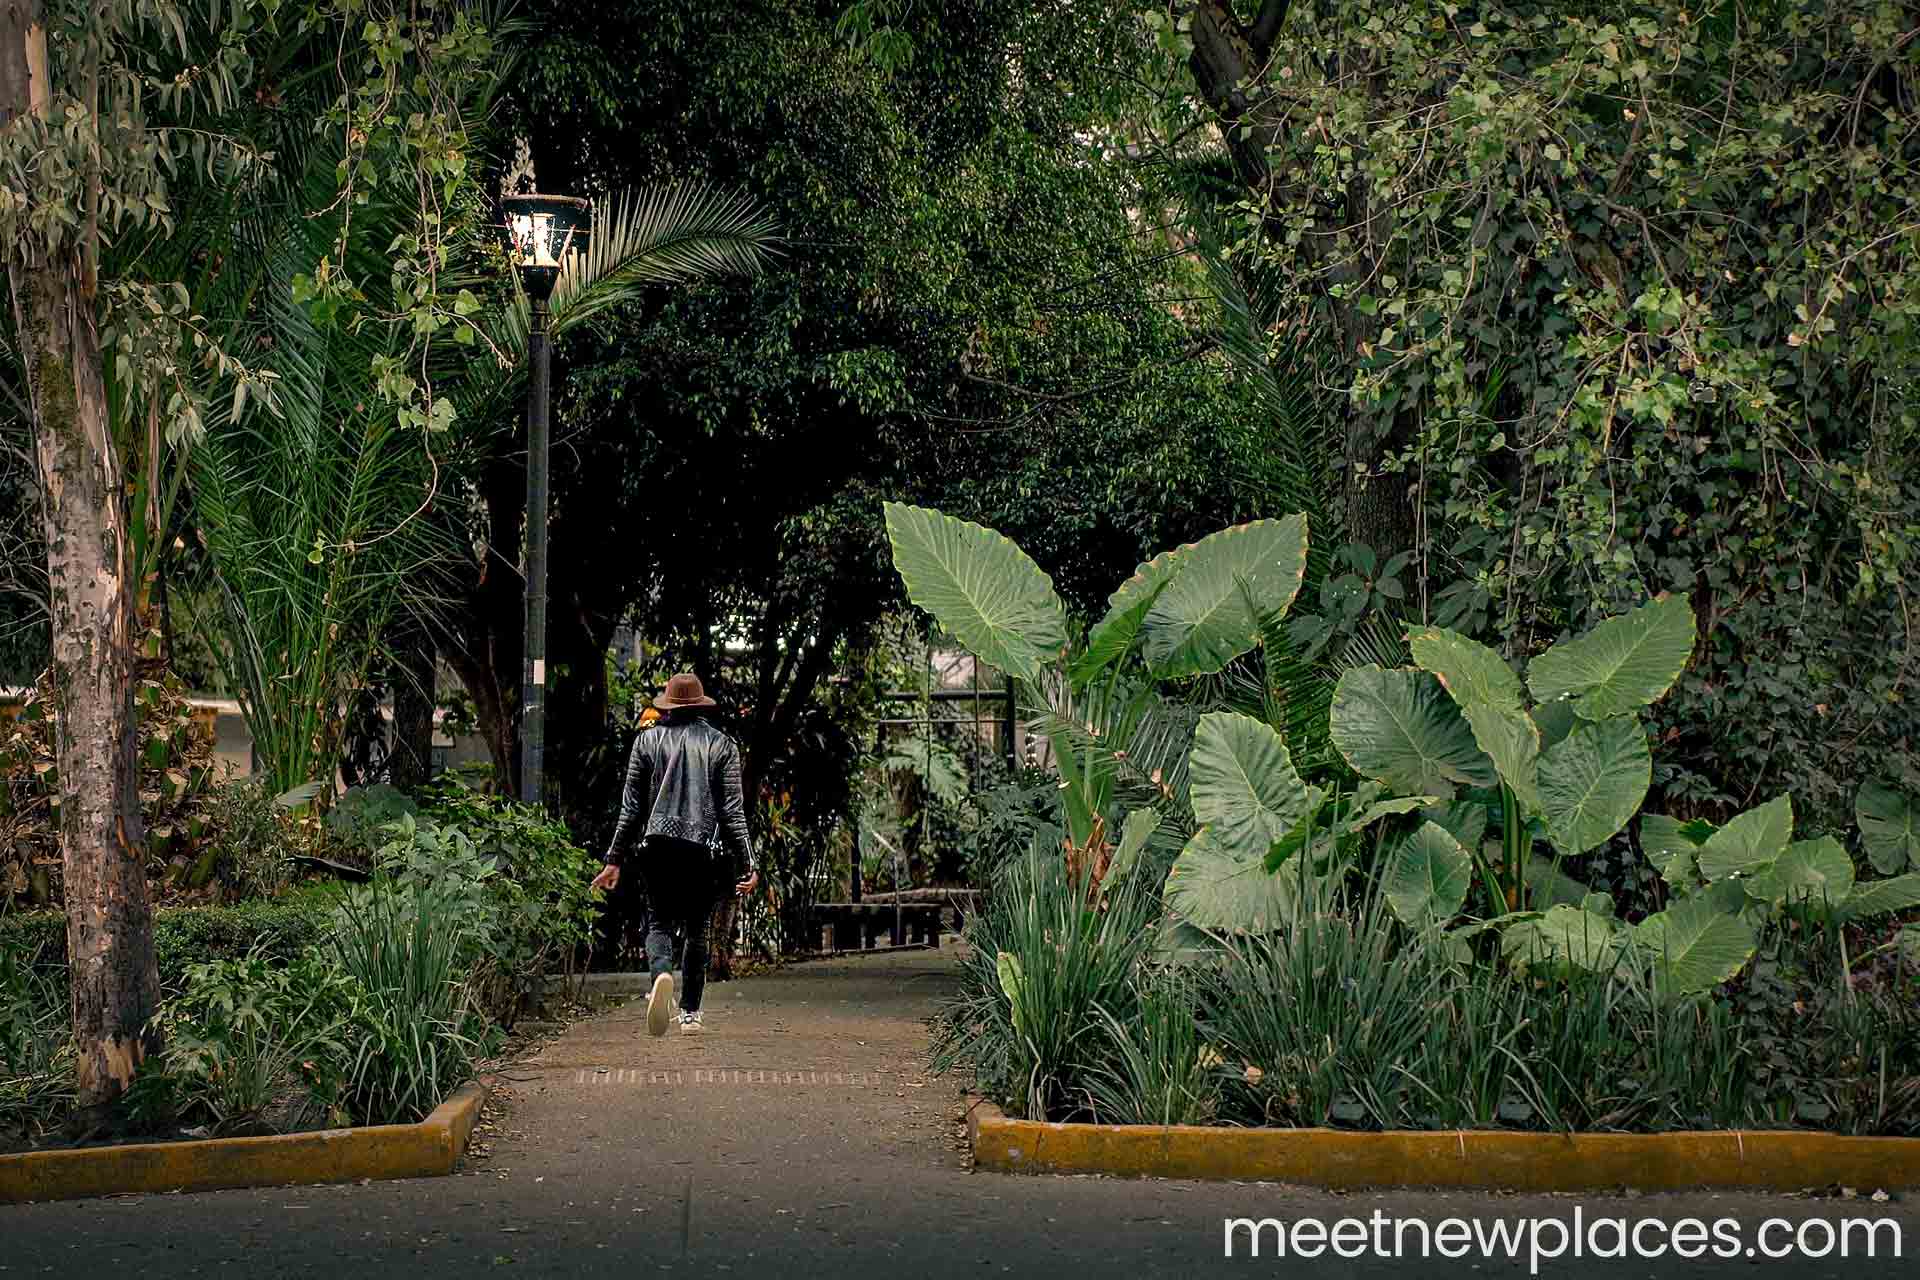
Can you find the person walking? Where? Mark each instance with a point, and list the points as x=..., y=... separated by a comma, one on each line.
x=683, y=830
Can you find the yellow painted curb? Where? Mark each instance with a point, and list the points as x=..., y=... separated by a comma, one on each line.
x=423, y=1150
x=1483, y=1160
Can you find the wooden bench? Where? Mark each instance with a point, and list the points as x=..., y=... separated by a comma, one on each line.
x=857, y=926
x=961, y=902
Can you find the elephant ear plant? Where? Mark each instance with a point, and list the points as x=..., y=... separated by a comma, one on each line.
x=1186, y=613
x=1566, y=756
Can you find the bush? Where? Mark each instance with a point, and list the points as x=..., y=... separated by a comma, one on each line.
x=1154, y=1069
x=1348, y=1019
x=375, y=1024
x=526, y=900
x=1013, y=815
x=252, y=840
x=1345, y=1021
x=1047, y=975
x=280, y=928
x=36, y=1068
x=254, y=1045
x=357, y=817
x=417, y=1031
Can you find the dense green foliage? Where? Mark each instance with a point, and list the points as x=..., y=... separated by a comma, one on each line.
x=965, y=309
x=1315, y=906
x=186, y=936
x=362, y=1004
x=1345, y=1019
x=1624, y=302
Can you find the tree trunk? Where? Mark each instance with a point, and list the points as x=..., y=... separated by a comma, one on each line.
x=1229, y=58
x=491, y=636
x=585, y=764
x=115, y=986
x=410, y=765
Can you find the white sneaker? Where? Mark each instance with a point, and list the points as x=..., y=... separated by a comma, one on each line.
x=660, y=1005
x=691, y=1022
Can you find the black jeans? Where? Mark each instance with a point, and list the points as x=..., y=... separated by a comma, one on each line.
x=682, y=889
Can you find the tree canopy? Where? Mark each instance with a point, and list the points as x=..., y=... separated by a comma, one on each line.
x=970, y=307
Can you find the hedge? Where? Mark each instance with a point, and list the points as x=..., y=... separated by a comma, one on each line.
x=184, y=936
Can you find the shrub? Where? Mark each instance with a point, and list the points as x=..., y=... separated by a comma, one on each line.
x=281, y=928
x=1013, y=815
x=357, y=817
x=524, y=888
x=1047, y=973
x=252, y=840
x=1154, y=1069
x=36, y=1067
x=417, y=1031
x=254, y=1045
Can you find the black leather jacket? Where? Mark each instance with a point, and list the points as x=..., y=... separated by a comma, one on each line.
x=683, y=780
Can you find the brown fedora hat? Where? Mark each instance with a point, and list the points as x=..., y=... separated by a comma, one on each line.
x=683, y=691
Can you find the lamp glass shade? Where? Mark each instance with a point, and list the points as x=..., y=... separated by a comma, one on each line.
x=542, y=232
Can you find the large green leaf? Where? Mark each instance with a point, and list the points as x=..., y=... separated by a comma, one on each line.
x=1592, y=783
x=1427, y=877
x=1750, y=842
x=1563, y=938
x=1203, y=619
x=1210, y=888
x=1468, y=670
x=1673, y=846
x=1127, y=611
x=1812, y=871
x=1177, y=943
x=1243, y=784
x=1621, y=665
x=982, y=588
x=1555, y=720
x=1512, y=742
x=1549, y=886
x=1879, y=897
x=1361, y=819
x=1694, y=946
x=1134, y=834
x=1889, y=828
x=1401, y=727
x=1309, y=831
x=1464, y=820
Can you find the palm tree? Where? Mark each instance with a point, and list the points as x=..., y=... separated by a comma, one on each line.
x=318, y=524
x=328, y=521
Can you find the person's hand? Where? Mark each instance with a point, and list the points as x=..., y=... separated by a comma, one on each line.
x=609, y=877
x=747, y=886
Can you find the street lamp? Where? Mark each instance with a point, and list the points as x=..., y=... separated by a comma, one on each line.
x=542, y=231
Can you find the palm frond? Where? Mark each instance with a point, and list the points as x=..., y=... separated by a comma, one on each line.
x=1290, y=455
x=651, y=236
x=1126, y=733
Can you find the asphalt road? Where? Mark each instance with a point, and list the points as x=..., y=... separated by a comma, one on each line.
x=800, y=1136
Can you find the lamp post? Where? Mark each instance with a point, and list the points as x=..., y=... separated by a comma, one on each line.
x=542, y=231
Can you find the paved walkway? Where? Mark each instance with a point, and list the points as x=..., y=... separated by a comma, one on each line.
x=799, y=1137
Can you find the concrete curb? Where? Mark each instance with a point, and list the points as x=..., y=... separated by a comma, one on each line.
x=425, y=1150
x=1468, y=1160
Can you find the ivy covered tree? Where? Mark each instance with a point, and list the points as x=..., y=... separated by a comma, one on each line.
x=1623, y=300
